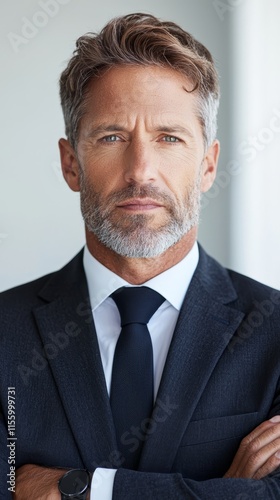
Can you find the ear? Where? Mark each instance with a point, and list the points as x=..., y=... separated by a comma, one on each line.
x=69, y=164
x=209, y=166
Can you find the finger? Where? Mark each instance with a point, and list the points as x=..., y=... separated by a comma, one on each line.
x=262, y=428
x=263, y=435
x=257, y=460
x=249, y=445
x=254, y=452
x=270, y=466
x=259, y=433
x=263, y=460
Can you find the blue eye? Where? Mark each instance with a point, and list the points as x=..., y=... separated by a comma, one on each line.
x=171, y=138
x=110, y=138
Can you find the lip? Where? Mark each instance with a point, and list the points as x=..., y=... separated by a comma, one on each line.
x=139, y=204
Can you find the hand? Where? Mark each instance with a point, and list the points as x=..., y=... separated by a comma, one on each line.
x=259, y=453
x=38, y=483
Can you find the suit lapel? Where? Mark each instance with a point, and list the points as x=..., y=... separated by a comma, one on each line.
x=204, y=328
x=66, y=325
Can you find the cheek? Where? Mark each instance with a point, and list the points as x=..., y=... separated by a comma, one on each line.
x=180, y=173
x=179, y=162
x=91, y=154
x=101, y=169
x=100, y=181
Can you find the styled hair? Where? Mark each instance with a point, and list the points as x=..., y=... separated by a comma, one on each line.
x=139, y=39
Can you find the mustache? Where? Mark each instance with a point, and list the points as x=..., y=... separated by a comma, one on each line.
x=133, y=191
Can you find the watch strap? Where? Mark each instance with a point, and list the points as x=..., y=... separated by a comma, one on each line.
x=80, y=497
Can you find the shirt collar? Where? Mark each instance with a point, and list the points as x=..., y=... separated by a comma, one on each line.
x=171, y=284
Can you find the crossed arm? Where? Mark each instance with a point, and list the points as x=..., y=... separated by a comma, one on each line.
x=258, y=455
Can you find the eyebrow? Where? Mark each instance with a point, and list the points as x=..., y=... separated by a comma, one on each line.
x=114, y=127
x=105, y=128
x=174, y=129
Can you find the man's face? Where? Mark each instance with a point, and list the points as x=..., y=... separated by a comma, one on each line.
x=141, y=160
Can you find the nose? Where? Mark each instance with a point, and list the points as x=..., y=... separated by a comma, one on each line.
x=140, y=163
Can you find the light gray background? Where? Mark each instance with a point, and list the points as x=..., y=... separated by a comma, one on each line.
x=40, y=223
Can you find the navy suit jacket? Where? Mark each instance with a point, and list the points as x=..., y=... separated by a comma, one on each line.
x=221, y=379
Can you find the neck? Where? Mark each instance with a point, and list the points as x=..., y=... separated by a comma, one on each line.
x=138, y=271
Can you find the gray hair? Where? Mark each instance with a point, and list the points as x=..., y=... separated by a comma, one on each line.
x=139, y=39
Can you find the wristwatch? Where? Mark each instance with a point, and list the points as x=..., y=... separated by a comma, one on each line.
x=74, y=484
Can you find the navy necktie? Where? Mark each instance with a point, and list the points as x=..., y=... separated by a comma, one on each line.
x=132, y=386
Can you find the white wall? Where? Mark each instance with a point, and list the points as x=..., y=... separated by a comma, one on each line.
x=255, y=210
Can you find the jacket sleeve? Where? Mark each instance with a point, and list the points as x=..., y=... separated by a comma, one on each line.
x=153, y=486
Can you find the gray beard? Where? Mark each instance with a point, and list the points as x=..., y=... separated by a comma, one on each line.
x=131, y=236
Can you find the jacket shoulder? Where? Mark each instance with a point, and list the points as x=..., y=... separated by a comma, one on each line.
x=31, y=293
x=229, y=286
x=25, y=293
x=248, y=288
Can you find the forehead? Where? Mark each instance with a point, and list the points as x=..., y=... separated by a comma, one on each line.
x=149, y=90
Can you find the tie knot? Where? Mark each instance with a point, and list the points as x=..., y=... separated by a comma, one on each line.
x=136, y=304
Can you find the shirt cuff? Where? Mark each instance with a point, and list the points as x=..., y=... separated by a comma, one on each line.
x=102, y=484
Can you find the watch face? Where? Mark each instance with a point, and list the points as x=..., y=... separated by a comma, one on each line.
x=74, y=482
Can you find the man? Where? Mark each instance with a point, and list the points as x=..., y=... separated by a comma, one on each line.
x=140, y=102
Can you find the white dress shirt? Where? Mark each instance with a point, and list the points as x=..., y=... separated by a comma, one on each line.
x=172, y=285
